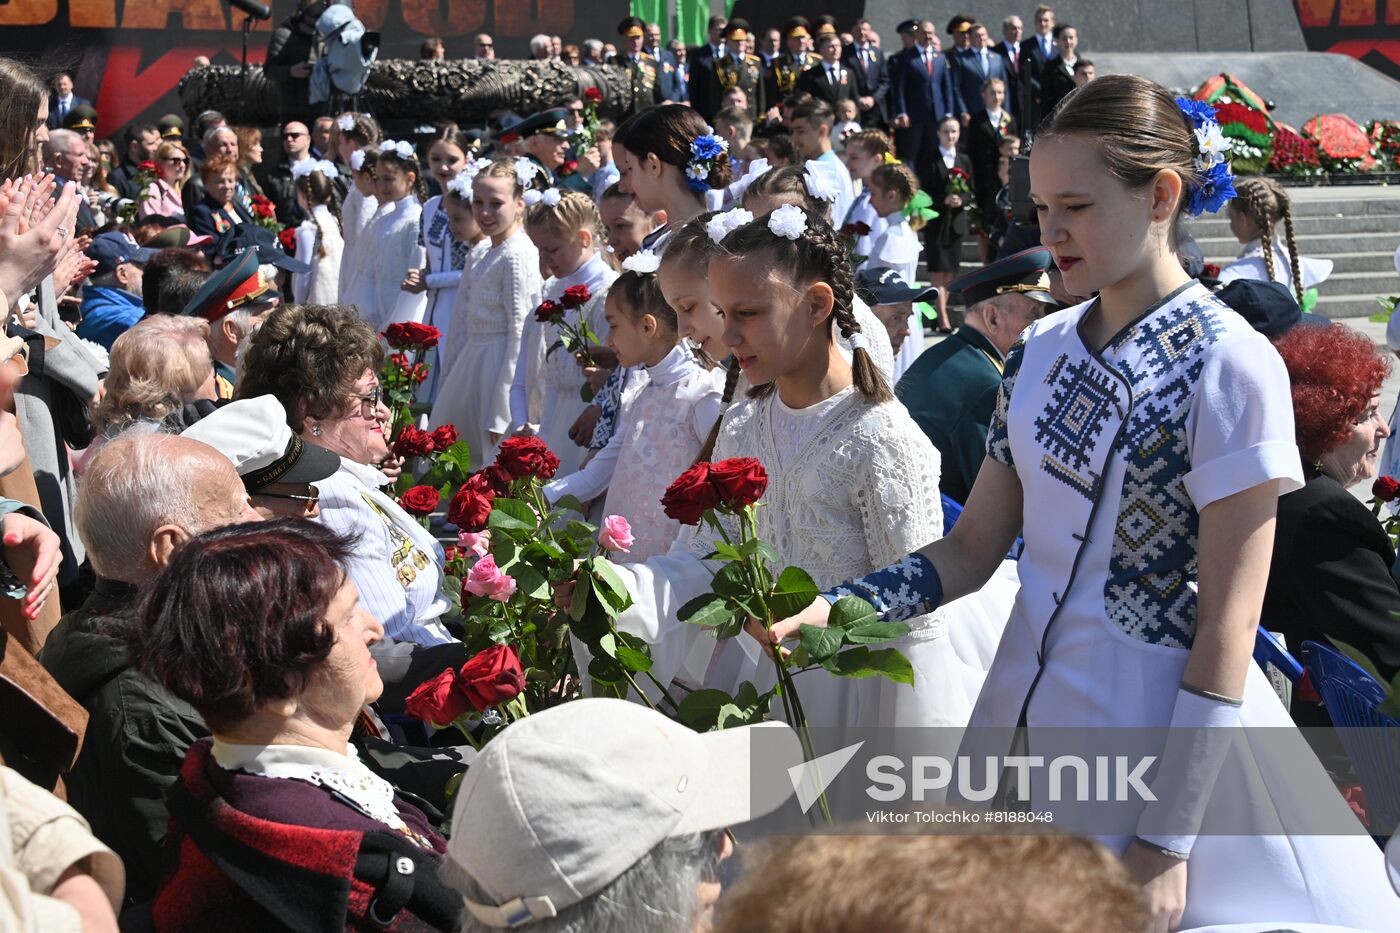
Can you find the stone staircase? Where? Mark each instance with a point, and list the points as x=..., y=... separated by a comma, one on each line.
x=1355, y=226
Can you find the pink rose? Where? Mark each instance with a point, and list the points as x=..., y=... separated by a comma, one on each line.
x=486, y=579
x=475, y=543
x=616, y=534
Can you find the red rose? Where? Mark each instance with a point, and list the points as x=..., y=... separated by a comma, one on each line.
x=493, y=676
x=420, y=500
x=576, y=296
x=1210, y=271
x=146, y=166
x=549, y=311
x=593, y=95
x=413, y=442
x=691, y=495
x=1386, y=488
x=739, y=481
x=288, y=239
x=495, y=479
x=437, y=701
x=262, y=207
x=411, y=335
x=527, y=456
x=445, y=436
x=470, y=509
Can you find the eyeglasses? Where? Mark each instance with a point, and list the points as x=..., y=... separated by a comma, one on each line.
x=293, y=135
x=176, y=160
x=369, y=404
x=309, y=499
x=486, y=45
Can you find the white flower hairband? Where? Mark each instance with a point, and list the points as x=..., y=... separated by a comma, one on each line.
x=820, y=184
x=357, y=160
x=751, y=174
x=788, y=221
x=346, y=123
x=461, y=186
x=525, y=170
x=551, y=197
x=721, y=225
x=325, y=167
x=404, y=150
x=644, y=262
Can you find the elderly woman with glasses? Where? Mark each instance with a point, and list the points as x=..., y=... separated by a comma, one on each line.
x=322, y=363
x=162, y=198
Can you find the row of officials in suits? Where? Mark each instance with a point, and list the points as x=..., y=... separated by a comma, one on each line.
x=918, y=85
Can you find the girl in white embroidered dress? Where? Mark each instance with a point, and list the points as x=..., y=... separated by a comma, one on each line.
x=474, y=393
x=667, y=411
x=851, y=477
x=356, y=215
x=318, y=239
x=546, y=397
x=391, y=246
x=448, y=156
x=461, y=221
x=1140, y=443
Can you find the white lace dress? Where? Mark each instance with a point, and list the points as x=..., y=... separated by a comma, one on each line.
x=320, y=233
x=356, y=214
x=545, y=396
x=474, y=393
x=666, y=414
x=851, y=485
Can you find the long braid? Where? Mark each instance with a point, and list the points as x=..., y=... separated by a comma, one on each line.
x=866, y=375
x=1286, y=208
x=731, y=383
x=1266, y=236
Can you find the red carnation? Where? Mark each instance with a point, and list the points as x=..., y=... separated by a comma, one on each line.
x=411, y=335
x=739, y=481
x=576, y=296
x=494, y=676
x=593, y=95
x=445, y=436
x=1386, y=488
x=527, y=456
x=438, y=701
x=549, y=311
x=420, y=500
x=470, y=508
x=691, y=495
x=413, y=442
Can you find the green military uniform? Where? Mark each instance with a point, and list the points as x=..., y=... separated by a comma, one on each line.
x=747, y=74
x=548, y=123
x=951, y=391
x=784, y=72
x=645, y=74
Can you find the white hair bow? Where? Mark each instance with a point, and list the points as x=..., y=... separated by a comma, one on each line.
x=551, y=197
x=346, y=123
x=357, y=160
x=820, y=184
x=404, y=150
x=755, y=168
x=721, y=225
x=643, y=262
x=325, y=167
x=788, y=221
x=461, y=186
x=526, y=169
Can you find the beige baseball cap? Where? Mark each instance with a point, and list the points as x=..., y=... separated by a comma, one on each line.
x=564, y=801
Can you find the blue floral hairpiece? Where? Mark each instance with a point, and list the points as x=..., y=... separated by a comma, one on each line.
x=1214, y=185
x=705, y=152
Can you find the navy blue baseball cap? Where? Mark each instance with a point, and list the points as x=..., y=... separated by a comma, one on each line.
x=112, y=249
x=887, y=287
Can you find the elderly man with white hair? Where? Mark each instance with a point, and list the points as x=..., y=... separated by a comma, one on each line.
x=218, y=140
x=66, y=156
x=541, y=47
x=142, y=496
x=602, y=814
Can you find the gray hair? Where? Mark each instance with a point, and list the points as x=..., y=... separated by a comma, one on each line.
x=593, y=48
x=655, y=895
x=61, y=141
x=1011, y=20
x=540, y=43
x=212, y=134
x=136, y=482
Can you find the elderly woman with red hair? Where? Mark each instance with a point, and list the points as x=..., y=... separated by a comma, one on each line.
x=1331, y=572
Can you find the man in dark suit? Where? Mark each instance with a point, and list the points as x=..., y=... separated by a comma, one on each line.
x=921, y=92
x=951, y=389
x=984, y=138
x=668, y=75
x=973, y=67
x=701, y=61
x=867, y=58
x=1036, y=50
x=831, y=80
x=1009, y=51
x=63, y=100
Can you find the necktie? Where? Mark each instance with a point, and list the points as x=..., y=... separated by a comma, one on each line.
x=1045, y=46
x=928, y=63
x=982, y=61
x=1015, y=64
x=830, y=76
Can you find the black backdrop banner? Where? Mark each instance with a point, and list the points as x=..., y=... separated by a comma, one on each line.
x=127, y=56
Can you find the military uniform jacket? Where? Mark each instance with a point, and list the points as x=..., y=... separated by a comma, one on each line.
x=783, y=75
x=646, y=86
x=749, y=76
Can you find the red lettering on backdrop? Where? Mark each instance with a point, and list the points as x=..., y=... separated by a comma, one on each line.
x=192, y=14
x=92, y=14
x=1352, y=12
x=28, y=12
x=513, y=17
x=462, y=16
x=372, y=12
x=128, y=89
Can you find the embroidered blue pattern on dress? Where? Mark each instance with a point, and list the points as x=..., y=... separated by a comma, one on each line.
x=899, y=592
x=1082, y=399
x=1154, y=554
x=998, y=442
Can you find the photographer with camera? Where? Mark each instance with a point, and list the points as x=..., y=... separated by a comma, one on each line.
x=290, y=55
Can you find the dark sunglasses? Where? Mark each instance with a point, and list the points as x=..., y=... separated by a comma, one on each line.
x=293, y=135
x=309, y=499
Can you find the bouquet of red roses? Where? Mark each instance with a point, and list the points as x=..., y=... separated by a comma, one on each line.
x=725, y=496
x=404, y=369
x=265, y=214
x=960, y=183
x=850, y=235
x=575, y=334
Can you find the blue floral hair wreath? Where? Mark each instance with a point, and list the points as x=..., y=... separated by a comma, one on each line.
x=705, y=153
x=1214, y=185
